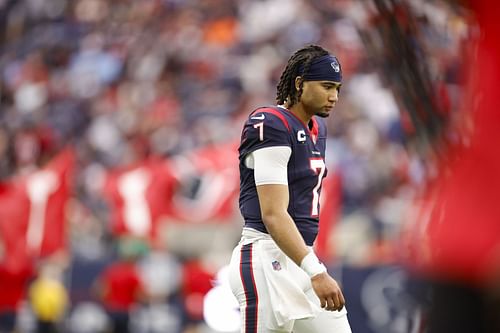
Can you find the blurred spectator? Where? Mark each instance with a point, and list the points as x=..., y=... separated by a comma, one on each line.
x=197, y=280
x=120, y=287
x=161, y=274
x=16, y=267
x=14, y=282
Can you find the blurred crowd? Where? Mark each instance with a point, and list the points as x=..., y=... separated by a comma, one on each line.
x=121, y=80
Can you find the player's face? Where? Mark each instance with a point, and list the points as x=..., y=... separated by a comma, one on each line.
x=319, y=97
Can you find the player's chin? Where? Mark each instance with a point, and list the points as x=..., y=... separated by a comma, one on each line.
x=323, y=114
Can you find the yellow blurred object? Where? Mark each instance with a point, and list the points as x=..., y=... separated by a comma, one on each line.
x=48, y=299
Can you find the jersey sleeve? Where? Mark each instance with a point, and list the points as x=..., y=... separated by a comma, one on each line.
x=270, y=165
x=264, y=129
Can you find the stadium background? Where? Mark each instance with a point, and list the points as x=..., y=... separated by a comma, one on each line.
x=118, y=127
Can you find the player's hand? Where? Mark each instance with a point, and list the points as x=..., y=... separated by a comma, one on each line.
x=328, y=291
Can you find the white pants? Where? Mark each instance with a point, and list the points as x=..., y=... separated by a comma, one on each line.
x=274, y=294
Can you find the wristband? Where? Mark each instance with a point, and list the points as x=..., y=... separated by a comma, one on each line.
x=311, y=265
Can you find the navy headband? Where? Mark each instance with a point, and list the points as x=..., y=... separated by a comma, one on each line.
x=325, y=68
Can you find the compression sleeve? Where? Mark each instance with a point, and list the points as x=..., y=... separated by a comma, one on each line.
x=270, y=165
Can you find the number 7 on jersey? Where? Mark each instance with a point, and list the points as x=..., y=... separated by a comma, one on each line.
x=260, y=127
x=318, y=166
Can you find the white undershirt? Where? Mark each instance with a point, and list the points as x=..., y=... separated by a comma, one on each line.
x=269, y=165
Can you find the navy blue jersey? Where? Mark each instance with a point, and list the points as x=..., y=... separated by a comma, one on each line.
x=276, y=126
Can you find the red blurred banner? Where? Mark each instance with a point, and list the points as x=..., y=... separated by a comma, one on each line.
x=139, y=196
x=198, y=187
x=209, y=181
x=33, y=210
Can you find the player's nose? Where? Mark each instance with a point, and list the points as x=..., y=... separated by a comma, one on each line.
x=333, y=96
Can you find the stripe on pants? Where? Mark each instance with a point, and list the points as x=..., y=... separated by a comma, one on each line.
x=252, y=299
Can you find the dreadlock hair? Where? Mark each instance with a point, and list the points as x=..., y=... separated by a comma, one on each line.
x=286, y=91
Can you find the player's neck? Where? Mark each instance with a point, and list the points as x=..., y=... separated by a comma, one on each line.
x=300, y=113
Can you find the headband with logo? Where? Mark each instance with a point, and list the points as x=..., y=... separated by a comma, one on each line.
x=325, y=68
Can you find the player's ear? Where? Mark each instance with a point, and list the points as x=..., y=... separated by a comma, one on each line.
x=298, y=81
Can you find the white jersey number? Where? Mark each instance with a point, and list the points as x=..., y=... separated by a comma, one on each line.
x=39, y=187
x=132, y=187
x=318, y=165
x=260, y=126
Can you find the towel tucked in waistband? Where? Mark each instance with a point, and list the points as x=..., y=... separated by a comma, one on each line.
x=288, y=300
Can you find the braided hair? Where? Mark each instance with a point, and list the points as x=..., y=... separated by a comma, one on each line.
x=286, y=91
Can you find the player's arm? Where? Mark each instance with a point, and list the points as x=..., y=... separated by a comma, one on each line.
x=271, y=180
x=270, y=171
x=273, y=199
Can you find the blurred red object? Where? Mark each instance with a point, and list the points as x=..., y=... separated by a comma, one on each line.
x=33, y=210
x=197, y=282
x=121, y=286
x=14, y=281
x=140, y=196
x=330, y=209
x=456, y=233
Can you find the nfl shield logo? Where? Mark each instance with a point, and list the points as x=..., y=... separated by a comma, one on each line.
x=276, y=265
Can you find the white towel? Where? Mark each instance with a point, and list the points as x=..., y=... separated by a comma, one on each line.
x=288, y=300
